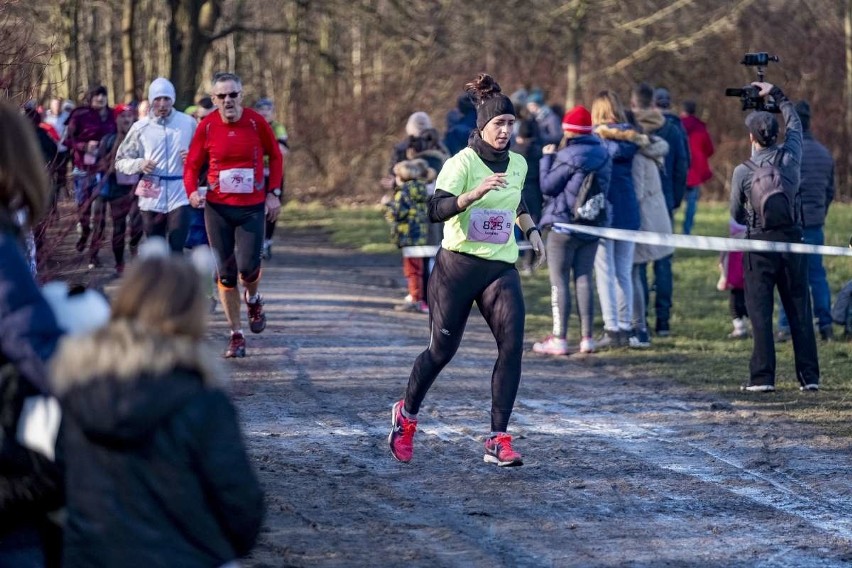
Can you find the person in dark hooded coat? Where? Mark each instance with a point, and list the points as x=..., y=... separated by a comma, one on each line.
x=156, y=471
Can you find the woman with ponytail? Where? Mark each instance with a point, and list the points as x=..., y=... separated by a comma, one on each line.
x=478, y=198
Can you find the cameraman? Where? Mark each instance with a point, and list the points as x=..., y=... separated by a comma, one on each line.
x=764, y=271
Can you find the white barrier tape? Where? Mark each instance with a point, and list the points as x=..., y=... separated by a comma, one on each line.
x=705, y=243
x=428, y=251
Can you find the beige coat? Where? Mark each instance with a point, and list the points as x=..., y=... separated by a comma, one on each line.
x=647, y=169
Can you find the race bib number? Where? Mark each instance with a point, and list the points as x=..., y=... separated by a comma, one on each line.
x=149, y=186
x=490, y=226
x=236, y=180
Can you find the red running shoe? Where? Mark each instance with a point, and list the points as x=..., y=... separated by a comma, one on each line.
x=256, y=317
x=499, y=450
x=236, y=346
x=401, y=437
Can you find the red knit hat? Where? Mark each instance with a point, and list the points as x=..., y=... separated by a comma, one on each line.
x=577, y=120
x=120, y=108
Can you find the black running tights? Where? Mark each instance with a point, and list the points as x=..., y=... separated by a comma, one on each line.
x=456, y=282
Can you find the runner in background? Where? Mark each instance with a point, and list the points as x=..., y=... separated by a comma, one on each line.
x=238, y=202
x=478, y=197
x=88, y=124
x=155, y=148
x=266, y=108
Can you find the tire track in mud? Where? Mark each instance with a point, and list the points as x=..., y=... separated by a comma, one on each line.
x=619, y=472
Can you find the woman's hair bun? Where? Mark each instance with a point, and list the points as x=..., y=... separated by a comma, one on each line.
x=482, y=88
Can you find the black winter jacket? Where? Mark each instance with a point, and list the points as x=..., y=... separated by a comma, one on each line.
x=817, y=185
x=156, y=468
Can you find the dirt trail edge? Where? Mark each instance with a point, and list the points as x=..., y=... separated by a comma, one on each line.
x=619, y=470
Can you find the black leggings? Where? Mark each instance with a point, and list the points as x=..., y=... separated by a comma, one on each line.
x=456, y=282
x=173, y=226
x=120, y=210
x=236, y=235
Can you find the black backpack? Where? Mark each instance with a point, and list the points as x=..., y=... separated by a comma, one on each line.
x=590, y=206
x=773, y=206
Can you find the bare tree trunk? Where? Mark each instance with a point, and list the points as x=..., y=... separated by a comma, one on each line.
x=192, y=24
x=128, y=55
x=572, y=75
x=109, y=75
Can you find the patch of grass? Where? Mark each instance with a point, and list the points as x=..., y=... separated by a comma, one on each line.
x=698, y=354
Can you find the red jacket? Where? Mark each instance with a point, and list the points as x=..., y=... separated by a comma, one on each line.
x=700, y=150
x=228, y=146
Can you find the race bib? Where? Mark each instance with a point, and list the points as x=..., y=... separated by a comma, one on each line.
x=490, y=226
x=236, y=180
x=149, y=186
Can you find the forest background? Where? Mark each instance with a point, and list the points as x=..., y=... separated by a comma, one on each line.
x=345, y=74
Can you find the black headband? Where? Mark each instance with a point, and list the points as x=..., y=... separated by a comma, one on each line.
x=494, y=106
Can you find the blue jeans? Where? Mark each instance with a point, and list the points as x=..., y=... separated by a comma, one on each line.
x=820, y=294
x=614, y=280
x=692, y=196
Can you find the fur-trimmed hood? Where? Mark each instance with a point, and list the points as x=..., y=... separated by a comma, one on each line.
x=622, y=134
x=122, y=381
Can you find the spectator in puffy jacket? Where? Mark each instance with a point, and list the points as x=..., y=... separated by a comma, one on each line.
x=562, y=174
x=156, y=470
x=817, y=193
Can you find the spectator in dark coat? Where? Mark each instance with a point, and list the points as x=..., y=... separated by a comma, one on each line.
x=156, y=471
x=30, y=485
x=528, y=144
x=461, y=121
x=817, y=192
x=673, y=180
x=549, y=123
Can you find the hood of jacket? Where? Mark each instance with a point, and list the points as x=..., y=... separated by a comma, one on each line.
x=621, y=133
x=650, y=120
x=122, y=381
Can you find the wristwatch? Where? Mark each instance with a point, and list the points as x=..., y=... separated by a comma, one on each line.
x=276, y=192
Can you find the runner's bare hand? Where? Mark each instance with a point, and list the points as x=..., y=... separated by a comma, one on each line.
x=148, y=166
x=538, y=248
x=492, y=182
x=196, y=200
x=273, y=207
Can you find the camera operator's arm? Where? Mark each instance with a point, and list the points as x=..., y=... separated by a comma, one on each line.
x=792, y=160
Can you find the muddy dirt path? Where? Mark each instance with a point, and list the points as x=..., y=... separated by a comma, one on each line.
x=619, y=470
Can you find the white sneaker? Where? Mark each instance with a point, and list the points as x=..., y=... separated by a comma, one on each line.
x=587, y=345
x=551, y=346
x=758, y=388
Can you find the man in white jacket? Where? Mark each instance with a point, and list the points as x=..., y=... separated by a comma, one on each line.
x=156, y=147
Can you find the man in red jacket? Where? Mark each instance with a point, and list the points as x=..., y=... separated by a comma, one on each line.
x=700, y=150
x=233, y=142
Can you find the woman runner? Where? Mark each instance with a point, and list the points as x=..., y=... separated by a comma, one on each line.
x=478, y=198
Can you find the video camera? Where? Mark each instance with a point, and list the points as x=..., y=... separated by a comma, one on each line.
x=749, y=95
